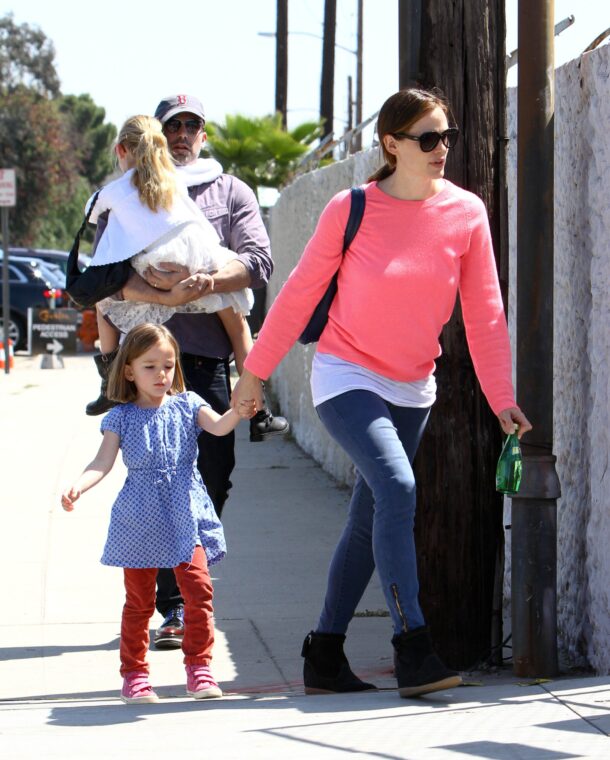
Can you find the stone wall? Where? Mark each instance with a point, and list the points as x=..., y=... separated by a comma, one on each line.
x=581, y=350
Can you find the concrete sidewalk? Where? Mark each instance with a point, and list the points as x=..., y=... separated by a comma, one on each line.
x=60, y=622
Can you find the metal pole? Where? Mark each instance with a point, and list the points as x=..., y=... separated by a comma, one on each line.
x=281, y=61
x=350, y=106
x=327, y=86
x=409, y=42
x=6, y=307
x=357, y=141
x=534, y=511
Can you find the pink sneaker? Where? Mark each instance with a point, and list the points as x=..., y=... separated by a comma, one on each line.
x=136, y=688
x=200, y=683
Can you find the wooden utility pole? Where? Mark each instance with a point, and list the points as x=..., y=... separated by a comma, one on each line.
x=459, y=514
x=409, y=41
x=281, y=60
x=327, y=86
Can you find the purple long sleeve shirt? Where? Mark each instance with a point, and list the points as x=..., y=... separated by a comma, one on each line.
x=232, y=209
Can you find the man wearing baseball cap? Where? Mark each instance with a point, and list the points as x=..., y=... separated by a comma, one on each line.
x=232, y=208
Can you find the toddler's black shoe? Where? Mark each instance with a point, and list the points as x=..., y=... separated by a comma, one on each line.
x=102, y=403
x=264, y=425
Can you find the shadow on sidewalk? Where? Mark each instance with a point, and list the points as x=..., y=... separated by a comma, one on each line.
x=33, y=651
x=352, y=704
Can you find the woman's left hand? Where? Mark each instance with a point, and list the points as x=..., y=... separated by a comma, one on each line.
x=249, y=389
x=511, y=417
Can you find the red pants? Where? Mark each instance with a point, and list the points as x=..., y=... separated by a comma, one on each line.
x=196, y=589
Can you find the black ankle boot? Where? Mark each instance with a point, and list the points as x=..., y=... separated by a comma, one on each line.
x=418, y=668
x=326, y=669
x=102, y=403
x=264, y=425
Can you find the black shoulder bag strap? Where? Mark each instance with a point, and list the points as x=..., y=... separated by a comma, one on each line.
x=317, y=321
x=72, y=270
x=356, y=213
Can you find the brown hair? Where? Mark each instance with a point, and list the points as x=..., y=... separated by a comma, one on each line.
x=136, y=343
x=399, y=112
x=155, y=174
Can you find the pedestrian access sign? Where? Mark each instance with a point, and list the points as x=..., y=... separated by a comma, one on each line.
x=8, y=188
x=53, y=331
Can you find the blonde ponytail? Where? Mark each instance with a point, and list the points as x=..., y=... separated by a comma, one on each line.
x=154, y=172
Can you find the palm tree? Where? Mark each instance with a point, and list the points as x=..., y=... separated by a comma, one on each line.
x=259, y=150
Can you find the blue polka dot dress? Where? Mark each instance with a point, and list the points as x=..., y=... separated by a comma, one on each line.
x=163, y=510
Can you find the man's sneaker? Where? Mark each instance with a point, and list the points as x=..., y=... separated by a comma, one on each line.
x=264, y=425
x=136, y=688
x=171, y=632
x=200, y=683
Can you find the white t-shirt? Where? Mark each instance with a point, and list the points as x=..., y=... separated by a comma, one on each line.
x=331, y=376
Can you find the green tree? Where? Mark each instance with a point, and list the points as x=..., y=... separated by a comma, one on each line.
x=259, y=150
x=34, y=139
x=91, y=136
x=58, y=144
x=27, y=58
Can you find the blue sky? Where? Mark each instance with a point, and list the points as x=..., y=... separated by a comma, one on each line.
x=128, y=55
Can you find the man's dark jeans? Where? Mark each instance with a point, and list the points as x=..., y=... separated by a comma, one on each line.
x=209, y=378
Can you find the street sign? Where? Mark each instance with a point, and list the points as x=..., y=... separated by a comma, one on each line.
x=53, y=330
x=8, y=199
x=8, y=188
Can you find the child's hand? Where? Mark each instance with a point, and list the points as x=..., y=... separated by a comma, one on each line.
x=68, y=497
x=246, y=409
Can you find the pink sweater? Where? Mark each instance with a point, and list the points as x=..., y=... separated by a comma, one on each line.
x=397, y=287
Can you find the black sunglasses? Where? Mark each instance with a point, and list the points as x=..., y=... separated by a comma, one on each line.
x=192, y=126
x=429, y=140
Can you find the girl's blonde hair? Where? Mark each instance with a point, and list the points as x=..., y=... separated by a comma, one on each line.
x=399, y=112
x=136, y=343
x=155, y=174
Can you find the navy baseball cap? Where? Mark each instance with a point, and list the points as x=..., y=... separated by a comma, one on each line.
x=174, y=104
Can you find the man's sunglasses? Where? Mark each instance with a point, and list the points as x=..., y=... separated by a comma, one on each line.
x=429, y=140
x=192, y=126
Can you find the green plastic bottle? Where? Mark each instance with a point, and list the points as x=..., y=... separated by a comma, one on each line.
x=510, y=463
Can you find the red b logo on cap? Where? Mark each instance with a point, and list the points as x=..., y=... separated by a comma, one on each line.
x=181, y=100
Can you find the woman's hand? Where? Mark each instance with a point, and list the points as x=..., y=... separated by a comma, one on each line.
x=511, y=417
x=248, y=389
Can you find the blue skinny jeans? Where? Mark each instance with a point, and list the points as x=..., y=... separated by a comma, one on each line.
x=381, y=439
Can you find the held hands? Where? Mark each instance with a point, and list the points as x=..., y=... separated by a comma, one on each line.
x=249, y=390
x=511, y=417
x=68, y=497
x=246, y=409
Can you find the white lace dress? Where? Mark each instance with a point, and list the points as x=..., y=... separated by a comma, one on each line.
x=190, y=245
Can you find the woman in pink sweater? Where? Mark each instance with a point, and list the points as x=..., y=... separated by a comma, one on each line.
x=421, y=241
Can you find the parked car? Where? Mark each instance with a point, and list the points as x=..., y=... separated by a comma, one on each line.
x=59, y=258
x=32, y=283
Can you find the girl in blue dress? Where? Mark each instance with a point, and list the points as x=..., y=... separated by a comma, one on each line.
x=163, y=516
